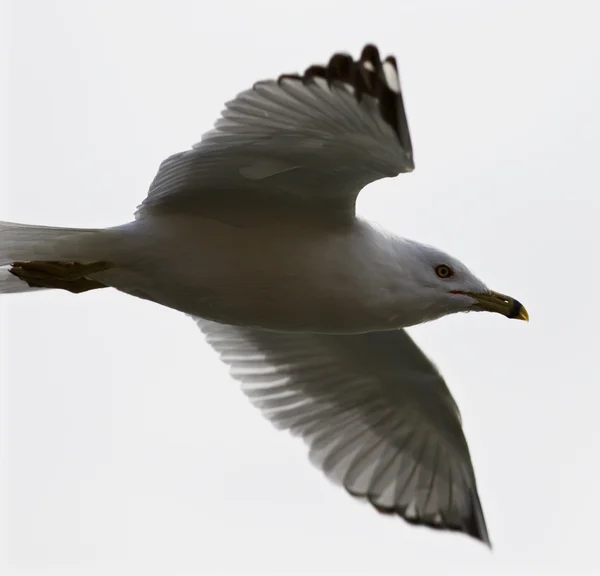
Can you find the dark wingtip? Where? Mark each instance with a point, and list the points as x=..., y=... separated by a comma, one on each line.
x=476, y=525
x=473, y=526
x=366, y=76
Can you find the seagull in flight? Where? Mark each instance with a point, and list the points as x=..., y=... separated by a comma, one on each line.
x=253, y=233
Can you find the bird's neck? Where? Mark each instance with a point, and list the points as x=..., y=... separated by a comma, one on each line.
x=366, y=268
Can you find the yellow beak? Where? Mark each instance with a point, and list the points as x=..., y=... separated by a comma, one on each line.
x=502, y=304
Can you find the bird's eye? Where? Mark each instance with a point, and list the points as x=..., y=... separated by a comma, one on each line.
x=444, y=271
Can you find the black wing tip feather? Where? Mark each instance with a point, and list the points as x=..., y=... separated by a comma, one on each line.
x=473, y=525
x=367, y=75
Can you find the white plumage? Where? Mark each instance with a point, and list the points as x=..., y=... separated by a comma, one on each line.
x=253, y=232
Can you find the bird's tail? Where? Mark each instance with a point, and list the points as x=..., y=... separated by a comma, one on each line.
x=27, y=243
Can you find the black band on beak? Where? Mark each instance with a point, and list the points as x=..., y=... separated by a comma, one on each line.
x=515, y=309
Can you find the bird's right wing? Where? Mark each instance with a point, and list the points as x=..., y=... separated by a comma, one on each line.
x=376, y=414
x=302, y=142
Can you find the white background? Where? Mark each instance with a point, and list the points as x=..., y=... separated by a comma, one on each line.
x=125, y=447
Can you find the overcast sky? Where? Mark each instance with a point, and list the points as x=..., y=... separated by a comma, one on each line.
x=125, y=447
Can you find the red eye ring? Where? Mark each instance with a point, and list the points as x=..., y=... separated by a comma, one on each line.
x=444, y=271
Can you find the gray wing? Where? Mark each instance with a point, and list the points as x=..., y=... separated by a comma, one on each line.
x=312, y=140
x=375, y=412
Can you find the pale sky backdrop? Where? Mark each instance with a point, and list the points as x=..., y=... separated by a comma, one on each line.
x=125, y=446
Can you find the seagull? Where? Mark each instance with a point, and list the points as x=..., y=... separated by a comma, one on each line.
x=253, y=233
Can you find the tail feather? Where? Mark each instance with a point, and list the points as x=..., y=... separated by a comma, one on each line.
x=27, y=243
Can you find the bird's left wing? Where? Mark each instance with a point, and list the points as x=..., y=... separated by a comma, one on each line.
x=311, y=141
x=376, y=414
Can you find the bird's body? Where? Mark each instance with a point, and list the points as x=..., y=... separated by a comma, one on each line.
x=277, y=276
x=253, y=232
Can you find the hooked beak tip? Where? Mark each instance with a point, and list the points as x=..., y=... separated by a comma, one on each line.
x=501, y=304
x=518, y=311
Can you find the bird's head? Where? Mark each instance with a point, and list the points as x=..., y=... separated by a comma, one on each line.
x=443, y=285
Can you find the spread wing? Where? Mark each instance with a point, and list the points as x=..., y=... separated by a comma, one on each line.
x=308, y=142
x=375, y=412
